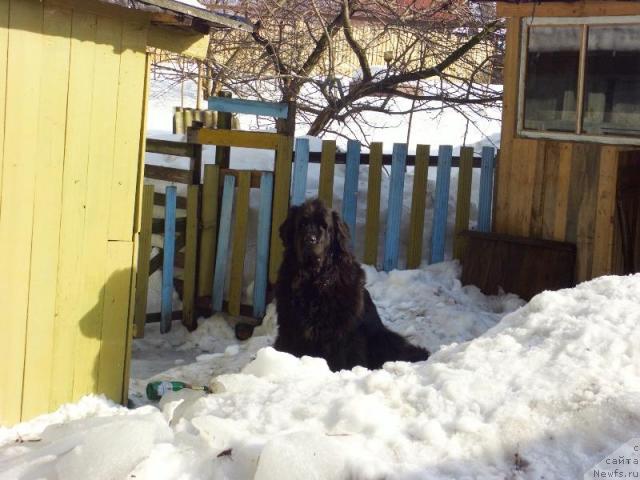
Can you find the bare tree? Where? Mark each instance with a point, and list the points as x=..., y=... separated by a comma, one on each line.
x=436, y=53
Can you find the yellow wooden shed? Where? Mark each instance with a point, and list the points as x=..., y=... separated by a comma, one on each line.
x=73, y=80
x=569, y=165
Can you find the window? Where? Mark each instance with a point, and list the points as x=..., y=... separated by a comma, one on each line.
x=580, y=78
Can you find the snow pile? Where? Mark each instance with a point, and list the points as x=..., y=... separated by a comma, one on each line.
x=547, y=393
x=429, y=306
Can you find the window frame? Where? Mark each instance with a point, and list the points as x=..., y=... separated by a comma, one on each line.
x=585, y=23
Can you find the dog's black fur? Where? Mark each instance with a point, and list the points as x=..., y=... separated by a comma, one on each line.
x=324, y=310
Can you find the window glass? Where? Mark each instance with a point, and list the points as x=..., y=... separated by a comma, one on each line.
x=551, y=83
x=612, y=81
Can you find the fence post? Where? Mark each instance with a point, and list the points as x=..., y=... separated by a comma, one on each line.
x=441, y=203
x=191, y=250
x=327, y=172
x=486, y=189
x=418, y=207
x=222, y=256
x=350, y=198
x=223, y=123
x=168, y=259
x=300, y=168
x=144, y=256
x=372, y=225
x=463, y=200
x=262, y=247
x=394, y=215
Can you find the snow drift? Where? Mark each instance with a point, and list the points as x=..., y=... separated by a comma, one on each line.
x=547, y=393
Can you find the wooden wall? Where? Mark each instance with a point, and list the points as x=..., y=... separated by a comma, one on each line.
x=550, y=189
x=72, y=79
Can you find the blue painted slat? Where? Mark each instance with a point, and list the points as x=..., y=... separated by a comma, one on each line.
x=350, y=198
x=486, y=188
x=166, y=305
x=438, y=237
x=252, y=107
x=222, y=252
x=262, y=247
x=300, y=168
x=394, y=212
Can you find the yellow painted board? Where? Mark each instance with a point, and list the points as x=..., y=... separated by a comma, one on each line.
x=47, y=210
x=69, y=310
x=605, y=212
x=372, y=224
x=16, y=221
x=418, y=206
x=463, y=201
x=187, y=43
x=238, y=138
x=111, y=366
x=144, y=256
x=4, y=46
x=99, y=172
x=282, y=176
x=142, y=149
x=131, y=91
x=327, y=171
x=191, y=252
x=239, y=241
x=209, y=234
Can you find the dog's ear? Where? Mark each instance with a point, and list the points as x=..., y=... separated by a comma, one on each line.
x=288, y=227
x=341, y=237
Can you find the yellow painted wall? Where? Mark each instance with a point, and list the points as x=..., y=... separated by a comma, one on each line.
x=72, y=93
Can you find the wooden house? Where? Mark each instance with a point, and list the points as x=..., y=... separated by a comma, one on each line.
x=74, y=82
x=569, y=166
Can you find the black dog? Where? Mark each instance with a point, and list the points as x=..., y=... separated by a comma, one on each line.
x=323, y=308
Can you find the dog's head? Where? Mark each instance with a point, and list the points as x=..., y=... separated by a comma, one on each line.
x=314, y=234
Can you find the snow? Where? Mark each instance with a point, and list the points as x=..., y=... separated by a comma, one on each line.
x=547, y=392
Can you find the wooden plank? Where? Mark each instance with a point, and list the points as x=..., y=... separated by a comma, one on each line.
x=236, y=138
x=255, y=176
x=525, y=156
x=605, y=212
x=239, y=243
x=327, y=171
x=418, y=207
x=341, y=159
x=262, y=245
x=223, y=122
x=17, y=202
x=463, y=200
x=350, y=196
x=97, y=202
x=184, y=42
x=131, y=94
x=251, y=107
x=190, y=259
x=486, y=189
x=590, y=8
x=504, y=179
x=167, y=174
x=583, y=196
x=394, y=215
x=209, y=232
x=441, y=206
x=71, y=264
x=169, y=147
x=56, y=45
x=157, y=224
x=539, y=190
x=372, y=223
x=144, y=256
x=300, y=167
x=4, y=54
x=159, y=199
x=556, y=195
x=222, y=251
x=113, y=352
x=282, y=182
x=168, y=251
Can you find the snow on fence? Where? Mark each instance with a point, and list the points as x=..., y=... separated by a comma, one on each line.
x=214, y=231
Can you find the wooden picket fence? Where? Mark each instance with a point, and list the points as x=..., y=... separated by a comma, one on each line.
x=210, y=238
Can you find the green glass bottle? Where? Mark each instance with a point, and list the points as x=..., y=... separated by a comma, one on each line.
x=155, y=390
